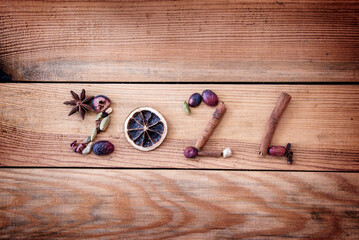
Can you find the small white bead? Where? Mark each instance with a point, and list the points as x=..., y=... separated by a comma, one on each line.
x=227, y=153
x=109, y=110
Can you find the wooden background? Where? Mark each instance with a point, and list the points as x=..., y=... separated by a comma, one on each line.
x=157, y=53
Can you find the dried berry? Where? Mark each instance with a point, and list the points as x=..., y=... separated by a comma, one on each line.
x=277, y=151
x=103, y=148
x=190, y=152
x=186, y=108
x=194, y=100
x=209, y=98
x=100, y=103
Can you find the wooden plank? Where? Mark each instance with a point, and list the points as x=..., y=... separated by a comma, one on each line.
x=321, y=122
x=164, y=204
x=205, y=40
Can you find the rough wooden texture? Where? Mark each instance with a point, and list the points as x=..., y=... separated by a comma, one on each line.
x=165, y=204
x=262, y=40
x=321, y=122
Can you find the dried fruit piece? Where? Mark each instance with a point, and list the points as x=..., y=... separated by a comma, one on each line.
x=145, y=128
x=104, y=123
x=277, y=151
x=186, y=108
x=209, y=98
x=103, y=148
x=100, y=103
x=190, y=152
x=194, y=100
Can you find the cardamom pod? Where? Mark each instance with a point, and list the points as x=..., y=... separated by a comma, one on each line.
x=109, y=110
x=88, y=149
x=93, y=134
x=104, y=123
x=99, y=116
x=87, y=139
x=186, y=108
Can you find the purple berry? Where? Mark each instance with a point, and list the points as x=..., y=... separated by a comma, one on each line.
x=277, y=151
x=190, y=152
x=103, y=148
x=194, y=100
x=209, y=98
x=100, y=103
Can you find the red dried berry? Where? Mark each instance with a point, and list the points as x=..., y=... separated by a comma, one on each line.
x=103, y=148
x=209, y=98
x=277, y=151
x=190, y=152
x=100, y=103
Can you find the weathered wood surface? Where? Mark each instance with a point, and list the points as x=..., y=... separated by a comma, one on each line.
x=166, y=204
x=231, y=41
x=321, y=122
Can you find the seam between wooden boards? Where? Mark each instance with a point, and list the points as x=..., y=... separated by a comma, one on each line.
x=189, y=83
x=178, y=169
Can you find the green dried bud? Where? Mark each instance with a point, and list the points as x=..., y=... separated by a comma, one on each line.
x=87, y=139
x=99, y=116
x=104, y=123
x=186, y=108
x=93, y=134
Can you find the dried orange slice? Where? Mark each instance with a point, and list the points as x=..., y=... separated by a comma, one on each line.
x=145, y=128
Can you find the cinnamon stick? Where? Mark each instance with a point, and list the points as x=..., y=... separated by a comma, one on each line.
x=210, y=153
x=273, y=122
x=211, y=125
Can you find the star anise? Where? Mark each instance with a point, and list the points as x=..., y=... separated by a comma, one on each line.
x=80, y=103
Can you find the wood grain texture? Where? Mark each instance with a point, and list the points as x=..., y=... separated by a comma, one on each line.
x=165, y=204
x=321, y=122
x=180, y=41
